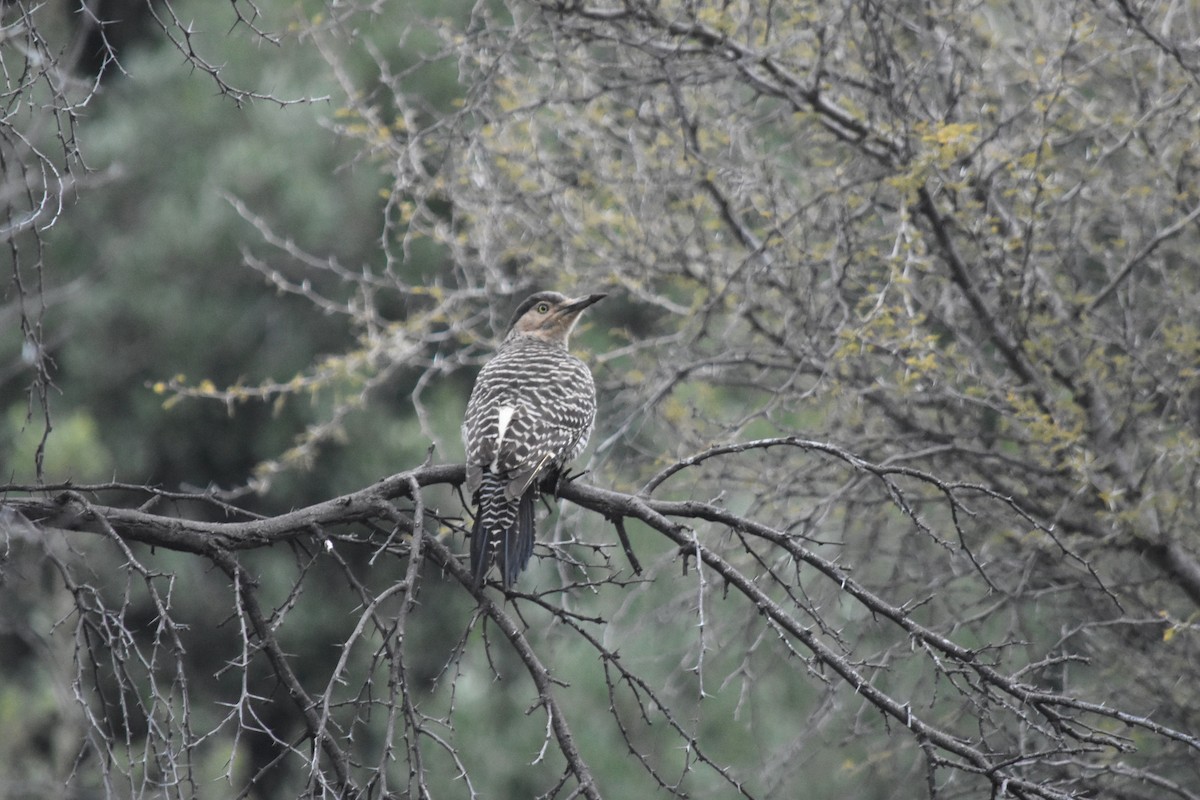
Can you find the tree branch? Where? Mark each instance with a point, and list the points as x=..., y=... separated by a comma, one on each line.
x=66, y=509
x=1063, y=717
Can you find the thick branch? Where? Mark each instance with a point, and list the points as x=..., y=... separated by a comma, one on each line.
x=67, y=509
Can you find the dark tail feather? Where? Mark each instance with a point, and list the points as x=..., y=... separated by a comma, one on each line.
x=518, y=541
x=481, y=550
x=503, y=532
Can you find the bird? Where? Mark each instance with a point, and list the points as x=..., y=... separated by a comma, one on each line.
x=531, y=413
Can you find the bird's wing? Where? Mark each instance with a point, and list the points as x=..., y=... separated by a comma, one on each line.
x=518, y=427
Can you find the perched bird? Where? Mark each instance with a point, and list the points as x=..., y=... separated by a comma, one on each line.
x=531, y=412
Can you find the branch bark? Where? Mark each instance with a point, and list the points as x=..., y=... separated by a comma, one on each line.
x=1067, y=721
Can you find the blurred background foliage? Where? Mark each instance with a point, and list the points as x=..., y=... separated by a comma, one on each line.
x=146, y=282
x=150, y=271
x=231, y=293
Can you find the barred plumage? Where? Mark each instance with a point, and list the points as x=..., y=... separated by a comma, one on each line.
x=531, y=412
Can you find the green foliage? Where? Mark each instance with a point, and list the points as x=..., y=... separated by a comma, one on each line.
x=954, y=239
x=155, y=257
x=74, y=452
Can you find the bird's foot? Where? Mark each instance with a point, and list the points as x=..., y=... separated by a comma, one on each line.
x=565, y=478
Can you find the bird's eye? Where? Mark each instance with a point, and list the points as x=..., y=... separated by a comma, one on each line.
x=542, y=308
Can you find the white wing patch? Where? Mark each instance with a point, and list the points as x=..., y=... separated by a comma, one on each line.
x=504, y=415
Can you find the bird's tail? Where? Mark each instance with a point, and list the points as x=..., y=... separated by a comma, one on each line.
x=503, y=531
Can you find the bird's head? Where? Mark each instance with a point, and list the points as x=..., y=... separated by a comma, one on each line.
x=549, y=316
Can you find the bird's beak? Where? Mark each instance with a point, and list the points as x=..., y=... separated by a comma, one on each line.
x=580, y=303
